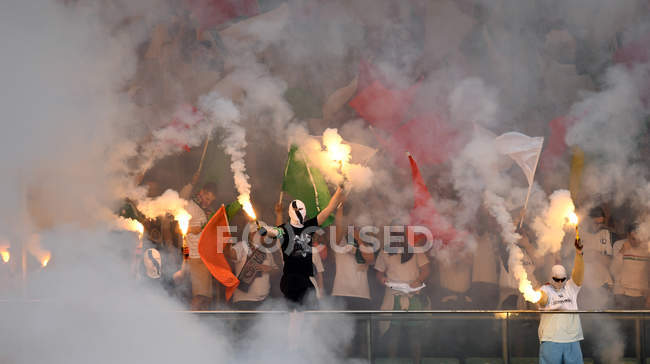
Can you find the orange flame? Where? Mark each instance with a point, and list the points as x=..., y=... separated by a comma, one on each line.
x=183, y=218
x=45, y=259
x=573, y=218
x=5, y=255
x=529, y=293
x=337, y=151
x=248, y=208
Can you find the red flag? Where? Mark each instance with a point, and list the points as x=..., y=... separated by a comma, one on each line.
x=424, y=212
x=383, y=107
x=210, y=13
x=211, y=241
x=556, y=145
x=429, y=138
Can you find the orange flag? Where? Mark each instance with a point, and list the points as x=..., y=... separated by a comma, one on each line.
x=211, y=241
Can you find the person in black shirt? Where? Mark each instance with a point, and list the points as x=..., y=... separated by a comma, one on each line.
x=295, y=238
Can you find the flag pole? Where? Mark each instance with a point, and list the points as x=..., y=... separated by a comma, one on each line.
x=286, y=168
x=530, y=188
x=205, y=149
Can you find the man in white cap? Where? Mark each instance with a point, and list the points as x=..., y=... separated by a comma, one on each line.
x=560, y=334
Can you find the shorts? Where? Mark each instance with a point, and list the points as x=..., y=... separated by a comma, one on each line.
x=201, y=278
x=296, y=289
x=559, y=353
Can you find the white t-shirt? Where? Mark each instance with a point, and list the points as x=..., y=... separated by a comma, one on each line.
x=351, y=279
x=261, y=286
x=598, y=250
x=634, y=270
x=617, y=265
x=561, y=328
x=198, y=219
x=397, y=272
x=456, y=276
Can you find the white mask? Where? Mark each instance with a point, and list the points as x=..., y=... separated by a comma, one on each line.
x=297, y=213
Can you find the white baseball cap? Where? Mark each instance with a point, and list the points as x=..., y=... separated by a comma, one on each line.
x=558, y=271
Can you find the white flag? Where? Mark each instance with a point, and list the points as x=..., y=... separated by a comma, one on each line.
x=524, y=150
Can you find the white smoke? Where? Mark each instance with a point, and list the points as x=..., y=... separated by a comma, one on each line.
x=473, y=101
x=223, y=113
x=497, y=207
x=551, y=224
x=332, y=156
x=169, y=202
x=188, y=128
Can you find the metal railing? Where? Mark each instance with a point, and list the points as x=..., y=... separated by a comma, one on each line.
x=499, y=337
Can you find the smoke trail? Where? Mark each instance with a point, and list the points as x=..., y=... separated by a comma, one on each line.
x=187, y=129
x=496, y=206
x=226, y=116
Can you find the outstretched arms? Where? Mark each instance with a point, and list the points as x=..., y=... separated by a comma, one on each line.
x=327, y=211
x=578, y=273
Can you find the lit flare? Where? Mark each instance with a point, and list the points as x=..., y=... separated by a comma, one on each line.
x=336, y=150
x=5, y=256
x=529, y=293
x=183, y=218
x=248, y=207
x=45, y=259
x=573, y=218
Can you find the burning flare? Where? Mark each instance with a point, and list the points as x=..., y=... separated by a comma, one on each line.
x=130, y=225
x=247, y=207
x=183, y=218
x=5, y=255
x=45, y=259
x=336, y=150
x=530, y=295
x=35, y=249
x=573, y=218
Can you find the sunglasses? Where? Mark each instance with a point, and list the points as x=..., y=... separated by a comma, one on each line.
x=559, y=279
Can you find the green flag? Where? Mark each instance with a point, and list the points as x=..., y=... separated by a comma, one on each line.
x=232, y=208
x=306, y=184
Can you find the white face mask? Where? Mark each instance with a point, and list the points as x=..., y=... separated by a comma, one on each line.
x=297, y=213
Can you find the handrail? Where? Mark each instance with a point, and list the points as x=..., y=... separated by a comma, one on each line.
x=379, y=312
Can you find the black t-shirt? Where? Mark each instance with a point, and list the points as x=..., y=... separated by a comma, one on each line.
x=296, y=246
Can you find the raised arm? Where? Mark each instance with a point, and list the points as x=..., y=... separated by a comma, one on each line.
x=578, y=273
x=186, y=191
x=327, y=211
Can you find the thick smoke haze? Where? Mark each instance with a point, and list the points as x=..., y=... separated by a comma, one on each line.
x=90, y=113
